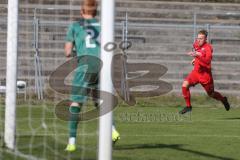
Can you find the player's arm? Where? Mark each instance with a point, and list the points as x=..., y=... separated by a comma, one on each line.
x=69, y=44
x=68, y=49
x=193, y=62
x=205, y=56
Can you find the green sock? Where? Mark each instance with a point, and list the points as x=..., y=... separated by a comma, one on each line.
x=73, y=123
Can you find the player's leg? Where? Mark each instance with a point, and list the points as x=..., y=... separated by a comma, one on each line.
x=95, y=95
x=78, y=98
x=187, y=97
x=74, y=111
x=209, y=88
x=186, y=93
x=189, y=81
x=115, y=133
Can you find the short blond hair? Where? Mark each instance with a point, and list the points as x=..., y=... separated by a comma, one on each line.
x=89, y=7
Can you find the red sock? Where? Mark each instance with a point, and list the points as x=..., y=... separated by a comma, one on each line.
x=186, y=96
x=217, y=96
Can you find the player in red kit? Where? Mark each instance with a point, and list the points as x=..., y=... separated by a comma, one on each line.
x=201, y=72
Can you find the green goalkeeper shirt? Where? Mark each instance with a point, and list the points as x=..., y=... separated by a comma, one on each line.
x=85, y=35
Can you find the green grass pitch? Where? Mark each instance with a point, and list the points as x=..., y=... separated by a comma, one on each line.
x=151, y=130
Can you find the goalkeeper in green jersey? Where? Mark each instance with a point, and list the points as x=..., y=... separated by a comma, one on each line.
x=83, y=35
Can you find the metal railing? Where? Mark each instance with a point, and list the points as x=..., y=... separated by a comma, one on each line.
x=39, y=83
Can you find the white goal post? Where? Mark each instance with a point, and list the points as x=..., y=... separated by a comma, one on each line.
x=11, y=80
x=105, y=121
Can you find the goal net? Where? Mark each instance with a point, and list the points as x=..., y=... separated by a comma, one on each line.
x=40, y=134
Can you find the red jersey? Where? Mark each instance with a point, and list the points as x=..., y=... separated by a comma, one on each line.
x=203, y=63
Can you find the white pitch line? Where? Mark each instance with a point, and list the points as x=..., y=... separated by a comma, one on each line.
x=142, y=135
x=184, y=135
x=119, y=120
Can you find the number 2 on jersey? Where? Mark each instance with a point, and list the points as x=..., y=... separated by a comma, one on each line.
x=91, y=38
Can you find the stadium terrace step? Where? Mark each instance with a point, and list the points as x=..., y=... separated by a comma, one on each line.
x=141, y=51
x=77, y=2
x=182, y=56
x=36, y=2
x=160, y=4
x=134, y=29
x=195, y=1
x=180, y=66
x=225, y=86
x=147, y=10
x=219, y=85
x=149, y=20
x=198, y=90
x=180, y=48
x=172, y=65
x=178, y=5
x=147, y=36
x=217, y=75
x=228, y=85
x=163, y=33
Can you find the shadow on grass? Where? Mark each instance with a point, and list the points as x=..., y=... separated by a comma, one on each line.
x=178, y=147
x=232, y=118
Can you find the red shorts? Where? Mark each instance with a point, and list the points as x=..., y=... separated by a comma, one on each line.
x=204, y=78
